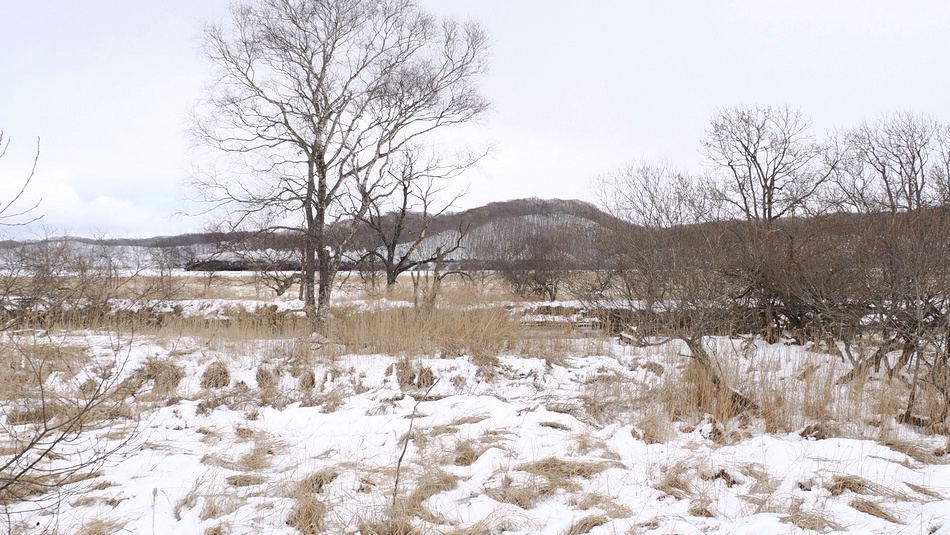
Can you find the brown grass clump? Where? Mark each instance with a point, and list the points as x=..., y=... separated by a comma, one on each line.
x=812, y=522
x=396, y=524
x=915, y=451
x=840, y=483
x=920, y=489
x=218, y=505
x=586, y=524
x=314, y=483
x=101, y=527
x=524, y=495
x=163, y=375
x=655, y=428
x=675, y=482
x=555, y=469
x=216, y=375
x=412, y=374
x=245, y=480
x=874, y=509
x=700, y=507
x=609, y=396
x=220, y=529
x=590, y=500
x=467, y=452
x=307, y=515
x=266, y=378
x=432, y=483
x=546, y=476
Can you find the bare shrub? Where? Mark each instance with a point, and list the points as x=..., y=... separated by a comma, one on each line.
x=42, y=421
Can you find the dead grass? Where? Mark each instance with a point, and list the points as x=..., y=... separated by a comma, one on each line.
x=412, y=374
x=101, y=527
x=675, y=482
x=920, y=489
x=431, y=483
x=216, y=375
x=812, y=521
x=307, y=515
x=453, y=331
x=543, y=478
x=591, y=500
x=874, y=509
x=245, y=480
x=841, y=483
x=467, y=452
x=314, y=483
x=586, y=524
x=161, y=375
x=915, y=451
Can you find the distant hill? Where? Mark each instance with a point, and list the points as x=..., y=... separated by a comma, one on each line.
x=498, y=230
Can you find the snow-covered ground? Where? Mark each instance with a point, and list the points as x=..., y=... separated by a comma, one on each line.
x=575, y=443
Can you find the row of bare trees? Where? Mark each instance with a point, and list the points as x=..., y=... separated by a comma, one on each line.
x=844, y=242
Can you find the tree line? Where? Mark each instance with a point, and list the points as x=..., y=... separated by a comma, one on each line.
x=842, y=243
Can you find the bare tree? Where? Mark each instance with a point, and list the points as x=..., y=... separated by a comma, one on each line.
x=666, y=268
x=399, y=219
x=769, y=165
x=10, y=212
x=898, y=163
x=653, y=196
x=313, y=96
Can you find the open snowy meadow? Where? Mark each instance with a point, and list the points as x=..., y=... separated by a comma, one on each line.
x=215, y=412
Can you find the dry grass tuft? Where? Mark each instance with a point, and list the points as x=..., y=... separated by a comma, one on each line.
x=874, y=509
x=675, y=482
x=266, y=378
x=590, y=500
x=812, y=522
x=700, y=507
x=655, y=428
x=220, y=529
x=840, y=483
x=609, y=397
x=216, y=375
x=101, y=527
x=218, y=505
x=467, y=452
x=396, y=524
x=915, y=451
x=163, y=374
x=920, y=489
x=524, y=495
x=432, y=483
x=545, y=477
x=413, y=374
x=555, y=469
x=245, y=480
x=314, y=483
x=586, y=524
x=307, y=515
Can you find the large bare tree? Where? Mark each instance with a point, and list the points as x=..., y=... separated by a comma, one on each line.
x=313, y=97
x=767, y=163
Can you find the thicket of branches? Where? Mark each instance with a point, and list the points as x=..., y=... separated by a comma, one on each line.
x=842, y=243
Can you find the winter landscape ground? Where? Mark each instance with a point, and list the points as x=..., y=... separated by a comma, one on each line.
x=483, y=413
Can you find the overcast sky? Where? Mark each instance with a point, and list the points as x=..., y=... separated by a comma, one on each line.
x=578, y=88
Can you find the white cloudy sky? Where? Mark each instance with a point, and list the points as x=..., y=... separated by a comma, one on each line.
x=578, y=88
